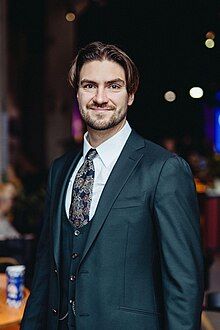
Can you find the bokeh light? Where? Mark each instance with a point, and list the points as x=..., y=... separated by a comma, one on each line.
x=70, y=17
x=196, y=92
x=210, y=35
x=209, y=43
x=170, y=96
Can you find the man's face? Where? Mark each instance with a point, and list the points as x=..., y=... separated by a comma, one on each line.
x=102, y=94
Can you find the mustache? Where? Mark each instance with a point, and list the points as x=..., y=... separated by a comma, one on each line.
x=100, y=106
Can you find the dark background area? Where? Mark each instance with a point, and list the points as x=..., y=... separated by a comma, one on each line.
x=166, y=39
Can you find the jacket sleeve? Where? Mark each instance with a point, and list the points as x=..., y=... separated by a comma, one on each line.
x=178, y=229
x=37, y=304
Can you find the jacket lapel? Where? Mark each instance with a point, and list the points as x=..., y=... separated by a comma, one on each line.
x=60, y=190
x=126, y=163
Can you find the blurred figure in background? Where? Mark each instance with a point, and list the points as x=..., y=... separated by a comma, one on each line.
x=30, y=182
x=8, y=194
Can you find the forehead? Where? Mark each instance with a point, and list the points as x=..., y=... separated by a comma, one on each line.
x=102, y=70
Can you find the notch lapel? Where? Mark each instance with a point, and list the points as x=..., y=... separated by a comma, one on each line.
x=126, y=163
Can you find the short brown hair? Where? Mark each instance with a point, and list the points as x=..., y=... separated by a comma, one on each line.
x=97, y=51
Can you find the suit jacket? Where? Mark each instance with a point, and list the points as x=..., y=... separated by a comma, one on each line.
x=142, y=266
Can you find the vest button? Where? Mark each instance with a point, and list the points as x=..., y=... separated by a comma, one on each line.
x=54, y=311
x=72, y=278
x=75, y=255
x=76, y=232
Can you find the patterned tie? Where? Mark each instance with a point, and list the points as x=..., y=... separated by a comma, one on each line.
x=82, y=192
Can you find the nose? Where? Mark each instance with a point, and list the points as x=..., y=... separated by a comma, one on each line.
x=100, y=96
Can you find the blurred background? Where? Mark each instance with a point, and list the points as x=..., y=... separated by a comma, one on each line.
x=176, y=46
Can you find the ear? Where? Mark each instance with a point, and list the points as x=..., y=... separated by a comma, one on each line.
x=130, y=99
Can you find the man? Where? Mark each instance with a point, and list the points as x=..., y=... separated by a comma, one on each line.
x=120, y=246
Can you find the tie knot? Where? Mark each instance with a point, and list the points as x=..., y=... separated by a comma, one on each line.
x=91, y=154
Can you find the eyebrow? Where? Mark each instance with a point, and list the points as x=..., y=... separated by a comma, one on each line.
x=117, y=80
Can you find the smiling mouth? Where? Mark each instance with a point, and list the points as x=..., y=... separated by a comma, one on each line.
x=101, y=109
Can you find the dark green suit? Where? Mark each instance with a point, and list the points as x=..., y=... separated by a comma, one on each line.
x=142, y=266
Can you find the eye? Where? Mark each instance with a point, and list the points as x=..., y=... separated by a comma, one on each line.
x=114, y=86
x=88, y=86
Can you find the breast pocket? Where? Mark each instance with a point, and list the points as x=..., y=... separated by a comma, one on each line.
x=129, y=201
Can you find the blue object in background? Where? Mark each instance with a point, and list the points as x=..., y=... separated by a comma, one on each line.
x=217, y=96
x=217, y=130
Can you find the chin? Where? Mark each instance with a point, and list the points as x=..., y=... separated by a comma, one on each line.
x=100, y=124
x=99, y=127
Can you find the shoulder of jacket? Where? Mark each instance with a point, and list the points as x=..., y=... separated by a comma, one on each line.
x=157, y=152
x=160, y=158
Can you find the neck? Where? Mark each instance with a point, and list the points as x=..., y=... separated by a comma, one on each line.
x=97, y=137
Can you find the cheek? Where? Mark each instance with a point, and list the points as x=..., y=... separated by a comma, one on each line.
x=84, y=99
x=118, y=99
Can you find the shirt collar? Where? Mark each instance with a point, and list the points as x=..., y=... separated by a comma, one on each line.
x=107, y=151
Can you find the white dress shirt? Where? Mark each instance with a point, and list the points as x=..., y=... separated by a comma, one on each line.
x=107, y=155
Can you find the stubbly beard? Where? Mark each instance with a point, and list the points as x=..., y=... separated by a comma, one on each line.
x=100, y=123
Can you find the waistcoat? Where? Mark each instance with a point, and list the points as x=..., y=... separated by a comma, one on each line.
x=72, y=245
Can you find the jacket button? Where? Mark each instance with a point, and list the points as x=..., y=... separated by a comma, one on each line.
x=54, y=311
x=76, y=232
x=55, y=271
x=72, y=278
x=75, y=255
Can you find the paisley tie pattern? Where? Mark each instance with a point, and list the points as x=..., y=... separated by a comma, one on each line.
x=82, y=192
